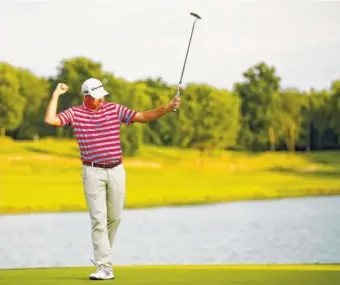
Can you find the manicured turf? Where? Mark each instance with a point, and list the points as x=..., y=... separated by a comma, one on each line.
x=180, y=275
x=44, y=176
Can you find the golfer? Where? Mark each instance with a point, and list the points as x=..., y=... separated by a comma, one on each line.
x=96, y=127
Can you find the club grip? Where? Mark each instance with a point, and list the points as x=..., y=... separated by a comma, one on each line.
x=177, y=95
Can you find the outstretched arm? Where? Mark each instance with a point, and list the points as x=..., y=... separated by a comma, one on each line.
x=51, y=111
x=147, y=116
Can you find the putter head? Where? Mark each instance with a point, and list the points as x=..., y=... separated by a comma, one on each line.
x=195, y=15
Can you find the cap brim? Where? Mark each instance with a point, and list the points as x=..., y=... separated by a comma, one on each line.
x=99, y=93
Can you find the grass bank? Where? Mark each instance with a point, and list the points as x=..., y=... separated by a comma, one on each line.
x=181, y=275
x=44, y=176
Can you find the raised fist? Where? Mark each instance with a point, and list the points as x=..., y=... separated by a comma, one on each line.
x=61, y=88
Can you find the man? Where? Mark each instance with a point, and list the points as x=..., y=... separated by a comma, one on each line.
x=96, y=126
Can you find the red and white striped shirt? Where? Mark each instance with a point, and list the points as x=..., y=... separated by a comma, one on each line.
x=98, y=133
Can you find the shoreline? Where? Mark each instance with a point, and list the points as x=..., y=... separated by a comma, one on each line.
x=82, y=208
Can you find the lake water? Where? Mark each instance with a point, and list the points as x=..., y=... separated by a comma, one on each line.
x=303, y=230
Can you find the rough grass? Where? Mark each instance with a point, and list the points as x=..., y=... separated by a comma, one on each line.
x=44, y=176
x=180, y=275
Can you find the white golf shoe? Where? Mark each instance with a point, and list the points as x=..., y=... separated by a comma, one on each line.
x=102, y=273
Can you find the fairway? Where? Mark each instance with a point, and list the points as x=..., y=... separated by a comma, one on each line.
x=180, y=275
x=44, y=176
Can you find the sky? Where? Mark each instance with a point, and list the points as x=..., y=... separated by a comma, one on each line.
x=136, y=39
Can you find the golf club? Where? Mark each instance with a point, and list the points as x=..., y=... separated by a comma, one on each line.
x=186, y=56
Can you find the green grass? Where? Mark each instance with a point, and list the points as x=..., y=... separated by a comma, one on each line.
x=44, y=176
x=180, y=275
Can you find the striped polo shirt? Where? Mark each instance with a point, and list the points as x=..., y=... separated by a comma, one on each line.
x=98, y=132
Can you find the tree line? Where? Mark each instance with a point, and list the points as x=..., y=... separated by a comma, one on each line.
x=256, y=115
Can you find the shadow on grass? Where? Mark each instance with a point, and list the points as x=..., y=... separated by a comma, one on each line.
x=37, y=150
x=41, y=151
x=307, y=173
x=160, y=153
x=326, y=158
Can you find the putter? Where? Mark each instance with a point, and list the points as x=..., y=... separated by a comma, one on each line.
x=186, y=56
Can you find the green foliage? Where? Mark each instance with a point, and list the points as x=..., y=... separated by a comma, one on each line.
x=334, y=103
x=12, y=103
x=258, y=110
x=257, y=115
x=290, y=117
x=34, y=90
x=208, y=118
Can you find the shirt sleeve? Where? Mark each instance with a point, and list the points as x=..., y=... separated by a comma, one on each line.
x=125, y=114
x=66, y=117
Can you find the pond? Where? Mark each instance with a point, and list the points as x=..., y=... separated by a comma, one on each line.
x=295, y=231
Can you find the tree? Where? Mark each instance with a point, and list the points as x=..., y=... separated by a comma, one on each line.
x=306, y=113
x=11, y=102
x=258, y=106
x=157, y=93
x=35, y=91
x=290, y=117
x=320, y=108
x=335, y=109
x=209, y=118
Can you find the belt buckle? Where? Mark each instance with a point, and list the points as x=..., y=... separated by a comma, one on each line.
x=109, y=165
x=115, y=162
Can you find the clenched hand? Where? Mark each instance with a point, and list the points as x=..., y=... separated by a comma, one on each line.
x=60, y=89
x=174, y=103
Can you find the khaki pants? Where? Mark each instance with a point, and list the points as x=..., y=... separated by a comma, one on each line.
x=104, y=191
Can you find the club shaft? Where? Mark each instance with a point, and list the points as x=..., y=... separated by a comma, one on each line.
x=186, y=56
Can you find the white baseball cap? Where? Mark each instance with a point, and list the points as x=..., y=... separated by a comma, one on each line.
x=94, y=88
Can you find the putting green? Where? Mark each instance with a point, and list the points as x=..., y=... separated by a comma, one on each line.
x=171, y=275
